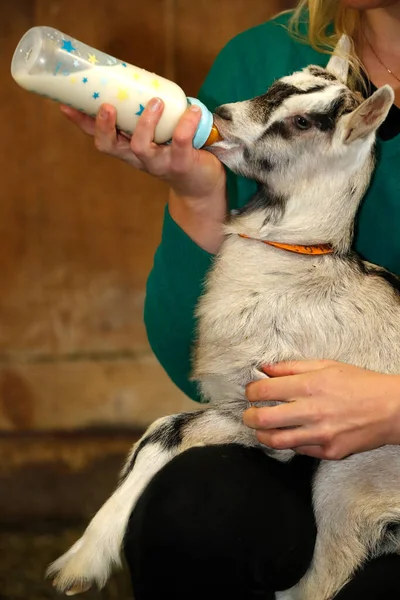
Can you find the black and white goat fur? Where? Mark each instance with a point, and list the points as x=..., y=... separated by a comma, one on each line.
x=309, y=142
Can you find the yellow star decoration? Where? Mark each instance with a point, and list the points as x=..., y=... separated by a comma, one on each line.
x=156, y=84
x=92, y=59
x=122, y=94
x=73, y=79
x=136, y=76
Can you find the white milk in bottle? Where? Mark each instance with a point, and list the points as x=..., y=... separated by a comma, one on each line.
x=54, y=65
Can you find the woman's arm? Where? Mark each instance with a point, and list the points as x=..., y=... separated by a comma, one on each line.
x=331, y=409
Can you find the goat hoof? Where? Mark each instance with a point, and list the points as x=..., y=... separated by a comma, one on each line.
x=79, y=588
x=73, y=590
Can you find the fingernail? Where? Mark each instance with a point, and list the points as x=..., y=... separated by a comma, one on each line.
x=103, y=114
x=195, y=108
x=154, y=104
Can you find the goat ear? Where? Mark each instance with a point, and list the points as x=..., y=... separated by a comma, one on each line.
x=338, y=64
x=369, y=115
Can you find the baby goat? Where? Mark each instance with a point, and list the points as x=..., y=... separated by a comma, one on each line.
x=284, y=286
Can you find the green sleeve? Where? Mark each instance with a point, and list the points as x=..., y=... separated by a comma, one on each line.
x=180, y=266
x=173, y=288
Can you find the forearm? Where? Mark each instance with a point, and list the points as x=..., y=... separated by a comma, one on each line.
x=392, y=398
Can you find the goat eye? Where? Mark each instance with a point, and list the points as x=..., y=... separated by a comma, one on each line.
x=302, y=122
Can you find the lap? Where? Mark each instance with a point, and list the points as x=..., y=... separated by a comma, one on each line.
x=230, y=522
x=228, y=512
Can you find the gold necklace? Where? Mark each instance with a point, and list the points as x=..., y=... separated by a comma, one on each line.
x=377, y=57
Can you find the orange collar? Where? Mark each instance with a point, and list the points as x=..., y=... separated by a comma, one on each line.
x=315, y=249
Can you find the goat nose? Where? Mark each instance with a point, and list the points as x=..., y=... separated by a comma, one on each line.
x=224, y=112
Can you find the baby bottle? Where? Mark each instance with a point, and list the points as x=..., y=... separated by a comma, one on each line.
x=54, y=65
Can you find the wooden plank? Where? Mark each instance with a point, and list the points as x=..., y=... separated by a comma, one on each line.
x=78, y=229
x=68, y=476
x=120, y=393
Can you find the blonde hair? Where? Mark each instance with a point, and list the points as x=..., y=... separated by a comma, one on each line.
x=326, y=21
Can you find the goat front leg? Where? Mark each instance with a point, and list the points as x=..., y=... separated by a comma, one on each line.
x=91, y=559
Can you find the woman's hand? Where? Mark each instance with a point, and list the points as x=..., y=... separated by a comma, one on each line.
x=197, y=177
x=332, y=409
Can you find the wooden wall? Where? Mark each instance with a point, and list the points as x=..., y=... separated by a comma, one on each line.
x=78, y=229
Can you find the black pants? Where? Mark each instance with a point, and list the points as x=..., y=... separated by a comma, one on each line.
x=226, y=522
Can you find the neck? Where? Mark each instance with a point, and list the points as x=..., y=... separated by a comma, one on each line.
x=382, y=26
x=320, y=211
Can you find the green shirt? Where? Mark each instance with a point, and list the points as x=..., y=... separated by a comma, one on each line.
x=245, y=68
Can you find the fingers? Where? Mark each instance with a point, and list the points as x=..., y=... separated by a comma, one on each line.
x=314, y=451
x=142, y=142
x=175, y=159
x=302, y=431
x=291, y=379
x=182, y=141
x=105, y=134
x=329, y=452
x=296, y=367
x=290, y=439
x=109, y=141
x=292, y=414
x=84, y=122
x=141, y=151
x=103, y=129
x=281, y=389
x=321, y=442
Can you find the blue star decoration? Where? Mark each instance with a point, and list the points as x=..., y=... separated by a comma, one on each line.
x=96, y=95
x=67, y=45
x=141, y=109
x=85, y=80
x=124, y=64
